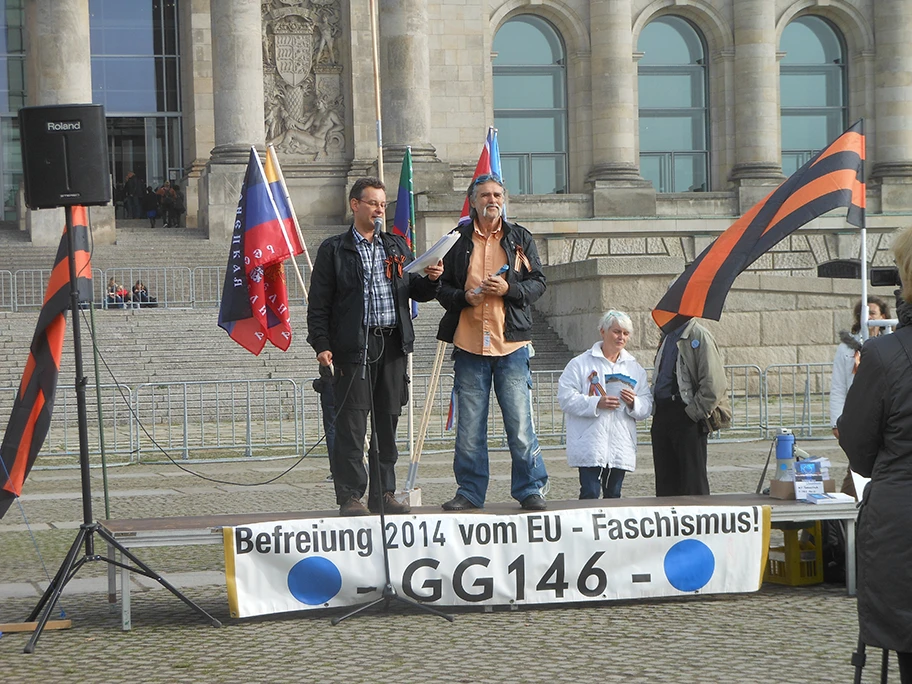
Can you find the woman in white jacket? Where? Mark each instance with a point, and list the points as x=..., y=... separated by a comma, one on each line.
x=603, y=392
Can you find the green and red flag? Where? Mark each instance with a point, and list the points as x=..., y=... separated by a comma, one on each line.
x=34, y=403
x=833, y=178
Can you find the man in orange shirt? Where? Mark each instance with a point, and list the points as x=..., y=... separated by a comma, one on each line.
x=491, y=277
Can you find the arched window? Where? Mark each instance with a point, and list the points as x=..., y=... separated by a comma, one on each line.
x=530, y=106
x=812, y=86
x=673, y=107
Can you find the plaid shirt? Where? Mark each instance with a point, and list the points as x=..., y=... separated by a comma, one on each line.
x=382, y=305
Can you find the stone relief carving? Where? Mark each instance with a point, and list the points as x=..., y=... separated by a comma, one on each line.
x=305, y=107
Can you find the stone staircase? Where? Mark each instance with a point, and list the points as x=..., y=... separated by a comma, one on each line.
x=176, y=345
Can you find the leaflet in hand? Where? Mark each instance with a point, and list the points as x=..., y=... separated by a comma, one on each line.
x=615, y=382
x=434, y=254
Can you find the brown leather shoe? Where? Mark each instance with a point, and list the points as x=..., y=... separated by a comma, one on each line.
x=353, y=507
x=391, y=506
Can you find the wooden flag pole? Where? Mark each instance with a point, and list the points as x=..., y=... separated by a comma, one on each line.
x=426, y=416
x=376, y=60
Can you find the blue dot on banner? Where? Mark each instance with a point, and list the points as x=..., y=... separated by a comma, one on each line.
x=314, y=580
x=689, y=565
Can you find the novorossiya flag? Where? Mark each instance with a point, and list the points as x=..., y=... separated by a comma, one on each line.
x=34, y=403
x=833, y=178
x=488, y=164
x=254, y=306
x=404, y=221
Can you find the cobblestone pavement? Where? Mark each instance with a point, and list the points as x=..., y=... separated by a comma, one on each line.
x=779, y=634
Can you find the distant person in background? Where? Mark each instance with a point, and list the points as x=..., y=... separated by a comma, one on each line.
x=141, y=296
x=150, y=205
x=166, y=202
x=132, y=191
x=845, y=363
x=876, y=433
x=117, y=295
x=604, y=391
x=120, y=208
x=178, y=207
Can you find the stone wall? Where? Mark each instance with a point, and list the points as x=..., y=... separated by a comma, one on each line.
x=767, y=319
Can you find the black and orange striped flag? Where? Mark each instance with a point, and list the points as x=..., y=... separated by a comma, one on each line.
x=833, y=178
x=34, y=404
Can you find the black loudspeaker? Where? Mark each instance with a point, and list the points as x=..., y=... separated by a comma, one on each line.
x=64, y=155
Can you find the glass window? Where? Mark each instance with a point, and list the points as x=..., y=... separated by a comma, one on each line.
x=673, y=107
x=136, y=76
x=134, y=56
x=812, y=85
x=12, y=98
x=530, y=106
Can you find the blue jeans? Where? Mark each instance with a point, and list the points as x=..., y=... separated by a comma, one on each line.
x=596, y=481
x=513, y=387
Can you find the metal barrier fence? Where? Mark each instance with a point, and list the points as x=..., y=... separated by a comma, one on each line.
x=228, y=419
x=29, y=287
x=221, y=418
x=797, y=397
x=171, y=286
x=7, y=292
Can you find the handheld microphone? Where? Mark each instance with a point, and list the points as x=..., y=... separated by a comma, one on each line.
x=378, y=224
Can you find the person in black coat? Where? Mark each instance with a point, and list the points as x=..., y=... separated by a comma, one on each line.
x=150, y=205
x=875, y=430
x=359, y=302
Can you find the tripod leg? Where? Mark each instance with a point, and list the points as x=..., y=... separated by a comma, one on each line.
x=55, y=588
x=858, y=660
x=426, y=609
x=336, y=620
x=154, y=575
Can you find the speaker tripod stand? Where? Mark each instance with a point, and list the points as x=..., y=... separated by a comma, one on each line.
x=89, y=528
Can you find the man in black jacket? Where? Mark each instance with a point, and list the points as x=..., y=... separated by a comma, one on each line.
x=359, y=321
x=492, y=275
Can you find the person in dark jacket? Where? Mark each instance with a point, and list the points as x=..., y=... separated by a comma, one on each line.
x=150, y=205
x=359, y=320
x=875, y=430
x=491, y=277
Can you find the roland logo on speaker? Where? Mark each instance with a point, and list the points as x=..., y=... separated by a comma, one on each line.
x=57, y=126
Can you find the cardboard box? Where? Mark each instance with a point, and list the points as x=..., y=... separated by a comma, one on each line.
x=786, y=490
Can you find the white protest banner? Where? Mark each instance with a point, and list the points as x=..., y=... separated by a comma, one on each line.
x=589, y=554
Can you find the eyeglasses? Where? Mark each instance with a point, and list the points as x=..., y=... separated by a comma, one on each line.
x=373, y=204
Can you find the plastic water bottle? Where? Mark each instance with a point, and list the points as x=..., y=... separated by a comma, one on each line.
x=785, y=456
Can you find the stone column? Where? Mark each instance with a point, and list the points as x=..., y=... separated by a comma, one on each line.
x=196, y=99
x=58, y=71
x=758, y=152
x=237, y=81
x=893, y=104
x=617, y=187
x=405, y=87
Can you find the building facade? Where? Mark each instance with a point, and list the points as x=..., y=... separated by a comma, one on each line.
x=626, y=127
